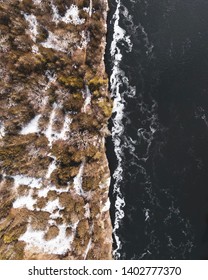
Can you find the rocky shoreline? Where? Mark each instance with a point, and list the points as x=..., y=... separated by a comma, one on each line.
x=55, y=107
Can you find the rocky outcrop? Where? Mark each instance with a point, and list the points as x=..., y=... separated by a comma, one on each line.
x=54, y=109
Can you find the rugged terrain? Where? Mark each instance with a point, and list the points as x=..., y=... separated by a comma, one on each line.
x=54, y=110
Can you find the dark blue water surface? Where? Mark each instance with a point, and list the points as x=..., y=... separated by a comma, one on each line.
x=157, y=59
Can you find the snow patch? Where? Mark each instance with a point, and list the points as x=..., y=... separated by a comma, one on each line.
x=58, y=245
x=35, y=49
x=85, y=39
x=87, y=95
x=43, y=192
x=28, y=181
x=105, y=184
x=106, y=206
x=32, y=126
x=78, y=180
x=51, y=134
x=87, y=211
x=90, y=9
x=51, y=168
x=25, y=202
x=37, y=2
x=58, y=43
x=66, y=128
x=33, y=26
x=88, y=248
x=52, y=205
x=71, y=15
x=2, y=130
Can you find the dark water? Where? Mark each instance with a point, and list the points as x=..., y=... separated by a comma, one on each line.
x=157, y=57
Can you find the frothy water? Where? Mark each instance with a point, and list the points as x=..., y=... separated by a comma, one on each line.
x=155, y=129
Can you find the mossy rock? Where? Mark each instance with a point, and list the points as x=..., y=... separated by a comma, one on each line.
x=18, y=225
x=41, y=202
x=79, y=209
x=79, y=245
x=90, y=183
x=15, y=157
x=14, y=233
x=22, y=43
x=60, y=151
x=94, y=210
x=6, y=223
x=74, y=83
x=19, y=115
x=12, y=251
x=26, y=5
x=63, y=175
x=74, y=102
x=67, y=201
x=7, y=198
x=82, y=122
x=96, y=83
x=42, y=34
x=52, y=195
x=23, y=190
x=39, y=220
x=105, y=106
x=30, y=62
x=82, y=228
x=52, y=233
x=48, y=55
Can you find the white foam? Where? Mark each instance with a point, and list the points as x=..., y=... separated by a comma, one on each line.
x=146, y=214
x=116, y=80
x=32, y=126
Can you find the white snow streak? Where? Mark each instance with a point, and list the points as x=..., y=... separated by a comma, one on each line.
x=2, y=130
x=71, y=15
x=32, y=126
x=87, y=95
x=33, y=26
x=78, y=180
x=58, y=245
x=53, y=135
x=28, y=181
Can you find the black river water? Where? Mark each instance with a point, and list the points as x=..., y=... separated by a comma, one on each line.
x=157, y=61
